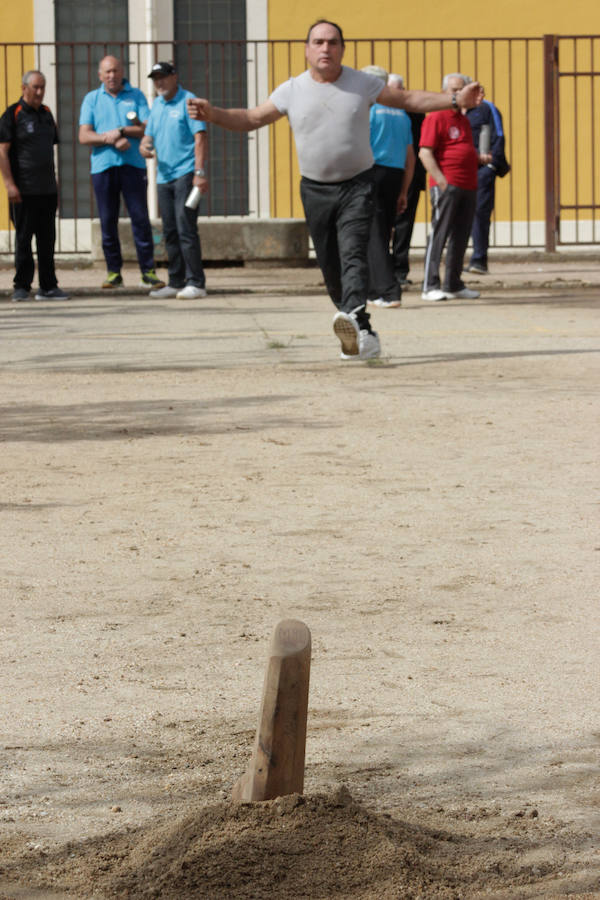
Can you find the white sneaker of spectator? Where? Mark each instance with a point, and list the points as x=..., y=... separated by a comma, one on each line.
x=191, y=292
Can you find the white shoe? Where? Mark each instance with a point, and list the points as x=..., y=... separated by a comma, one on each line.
x=369, y=345
x=346, y=329
x=435, y=294
x=464, y=294
x=386, y=304
x=191, y=292
x=163, y=292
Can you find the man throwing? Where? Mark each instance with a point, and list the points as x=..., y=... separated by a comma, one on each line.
x=118, y=168
x=328, y=109
x=448, y=154
x=27, y=138
x=181, y=146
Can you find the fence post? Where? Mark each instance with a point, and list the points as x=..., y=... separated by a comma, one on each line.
x=551, y=139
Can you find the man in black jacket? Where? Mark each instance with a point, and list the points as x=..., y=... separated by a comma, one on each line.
x=27, y=137
x=486, y=114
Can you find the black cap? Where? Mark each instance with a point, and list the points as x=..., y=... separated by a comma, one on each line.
x=162, y=68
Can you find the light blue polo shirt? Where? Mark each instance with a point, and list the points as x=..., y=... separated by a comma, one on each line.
x=391, y=134
x=173, y=132
x=104, y=112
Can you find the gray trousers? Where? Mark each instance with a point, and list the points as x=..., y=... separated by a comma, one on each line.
x=451, y=220
x=180, y=232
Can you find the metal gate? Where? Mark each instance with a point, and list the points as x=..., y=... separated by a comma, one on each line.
x=572, y=139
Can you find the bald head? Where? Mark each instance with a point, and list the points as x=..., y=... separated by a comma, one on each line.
x=110, y=73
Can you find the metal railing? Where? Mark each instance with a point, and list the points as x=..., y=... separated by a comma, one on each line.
x=550, y=195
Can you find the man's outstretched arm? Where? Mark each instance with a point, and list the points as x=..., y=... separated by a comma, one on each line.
x=428, y=101
x=233, y=119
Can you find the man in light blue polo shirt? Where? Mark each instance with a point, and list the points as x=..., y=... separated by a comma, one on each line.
x=118, y=168
x=180, y=144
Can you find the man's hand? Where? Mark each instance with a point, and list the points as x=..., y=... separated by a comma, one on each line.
x=199, y=109
x=200, y=181
x=14, y=194
x=147, y=147
x=112, y=136
x=469, y=96
x=401, y=204
x=485, y=158
x=122, y=144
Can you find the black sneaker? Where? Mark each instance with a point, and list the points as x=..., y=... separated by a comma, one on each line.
x=54, y=294
x=112, y=280
x=20, y=294
x=151, y=279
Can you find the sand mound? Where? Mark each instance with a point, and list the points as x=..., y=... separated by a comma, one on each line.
x=300, y=847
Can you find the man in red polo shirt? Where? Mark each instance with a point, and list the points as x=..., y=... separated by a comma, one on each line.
x=450, y=158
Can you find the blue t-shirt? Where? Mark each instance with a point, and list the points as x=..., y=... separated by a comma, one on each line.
x=173, y=132
x=104, y=112
x=391, y=134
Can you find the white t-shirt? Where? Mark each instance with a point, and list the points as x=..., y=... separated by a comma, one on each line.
x=330, y=121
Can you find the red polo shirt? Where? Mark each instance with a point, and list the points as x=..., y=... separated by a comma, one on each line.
x=448, y=134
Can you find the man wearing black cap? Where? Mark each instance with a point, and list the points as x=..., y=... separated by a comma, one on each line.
x=180, y=145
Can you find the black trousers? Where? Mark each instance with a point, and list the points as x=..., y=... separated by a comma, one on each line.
x=339, y=220
x=451, y=220
x=403, y=229
x=35, y=215
x=486, y=189
x=382, y=281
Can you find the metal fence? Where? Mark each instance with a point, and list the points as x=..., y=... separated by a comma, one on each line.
x=546, y=88
x=572, y=139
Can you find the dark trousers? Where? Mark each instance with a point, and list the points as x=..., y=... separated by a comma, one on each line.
x=180, y=231
x=480, y=234
x=403, y=229
x=451, y=220
x=382, y=281
x=35, y=215
x=339, y=220
x=132, y=183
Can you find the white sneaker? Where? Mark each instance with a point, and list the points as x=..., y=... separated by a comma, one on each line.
x=435, y=294
x=191, y=292
x=163, y=292
x=386, y=304
x=346, y=328
x=369, y=345
x=464, y=294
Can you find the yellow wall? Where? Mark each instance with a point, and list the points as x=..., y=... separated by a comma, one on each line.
x=453, y=18
x=512, y=74
x=16, y=26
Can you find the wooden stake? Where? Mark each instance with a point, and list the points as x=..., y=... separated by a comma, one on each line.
x=277, y=764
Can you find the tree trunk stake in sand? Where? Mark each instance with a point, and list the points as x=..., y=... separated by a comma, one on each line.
x=277, y=764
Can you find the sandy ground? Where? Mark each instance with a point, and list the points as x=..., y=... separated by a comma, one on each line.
x=178, y=477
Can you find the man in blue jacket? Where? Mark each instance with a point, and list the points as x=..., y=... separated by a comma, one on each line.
x=118, y=168
x=485, y=114
x=180, y=144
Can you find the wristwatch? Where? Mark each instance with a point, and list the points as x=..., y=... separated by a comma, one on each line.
x=200, y=172
x=122, y=131
x=454, y=100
